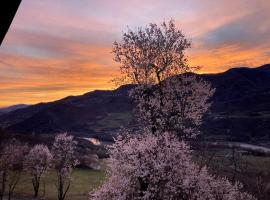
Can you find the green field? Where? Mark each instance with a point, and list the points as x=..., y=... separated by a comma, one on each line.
x=248, y=169
x=84, y=181
x=252, y=171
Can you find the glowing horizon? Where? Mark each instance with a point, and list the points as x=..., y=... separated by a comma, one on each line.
x=60, y=48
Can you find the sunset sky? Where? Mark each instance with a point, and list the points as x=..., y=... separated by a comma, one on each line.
x=56, y=48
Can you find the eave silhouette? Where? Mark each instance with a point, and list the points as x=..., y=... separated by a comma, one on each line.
x=8, y=10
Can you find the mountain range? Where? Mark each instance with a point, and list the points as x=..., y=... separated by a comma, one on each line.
x=12, y=108
x=240, y=110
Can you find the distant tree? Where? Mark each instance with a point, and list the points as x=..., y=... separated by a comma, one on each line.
x=169, y=97
x=11, y=166
x=64, y=161
x=36, y=163
x=160, y=167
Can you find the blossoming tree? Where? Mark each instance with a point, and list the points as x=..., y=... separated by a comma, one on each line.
x=36, y=163
x=11, y=166
x=168, y=94
x=177, y=108
x=64, y=161
x=170, y=103
x=160, y=167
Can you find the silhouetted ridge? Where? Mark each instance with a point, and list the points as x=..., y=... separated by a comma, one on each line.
x=240, y=109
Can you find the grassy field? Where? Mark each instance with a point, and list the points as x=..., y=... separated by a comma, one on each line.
x=113, y=121
x=252, y=171
x=84, y=181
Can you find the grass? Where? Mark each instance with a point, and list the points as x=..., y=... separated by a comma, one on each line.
x=253, y=171
x=113, y=121
x=249, y=169
x=84, y=181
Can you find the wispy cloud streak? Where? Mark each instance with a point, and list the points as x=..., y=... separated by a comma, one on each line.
x=59, y=48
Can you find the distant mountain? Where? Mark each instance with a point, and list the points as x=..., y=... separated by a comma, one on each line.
x=241, y=104
x=240, y=110
x=96, y=113
x=12, y=108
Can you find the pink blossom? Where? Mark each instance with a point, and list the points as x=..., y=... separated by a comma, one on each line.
x=64, y=161
x=36, y=163
x=160, y=167
x=176, y=105
x=11, y=165
x=170, y=103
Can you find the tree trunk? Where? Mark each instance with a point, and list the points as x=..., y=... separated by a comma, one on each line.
x=60, y=189
x=35, y=182
x=36, y=191
x=3, y=187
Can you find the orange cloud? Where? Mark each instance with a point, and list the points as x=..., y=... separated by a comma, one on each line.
x=224, y=57
x=25, y=79
x=55, y=49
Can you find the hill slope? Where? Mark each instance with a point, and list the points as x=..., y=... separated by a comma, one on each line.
x=241, y=109
x=12, y=108
x=97, y=112
x=241, y=104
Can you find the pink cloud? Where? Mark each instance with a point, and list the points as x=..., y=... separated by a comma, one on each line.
x=58, y=48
